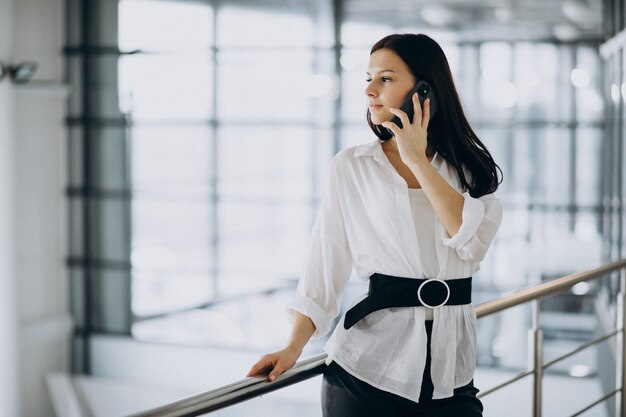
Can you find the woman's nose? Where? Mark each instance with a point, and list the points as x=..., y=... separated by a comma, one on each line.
x=369, y=91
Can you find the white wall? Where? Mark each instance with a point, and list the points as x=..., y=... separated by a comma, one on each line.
x=8, y=316
x=34, y=286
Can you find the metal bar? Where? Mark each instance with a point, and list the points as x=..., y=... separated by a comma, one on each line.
x=573, y=139
x=621, y=348
x=504, y=384
x=103, y=121
x=338, y=17
x=547, y=288
x=582, y=347
x=537, y=360
x=214, y=179
x=238, y=391
x=255, y=386
x=88, y=180
x=590, y=406
x=613, y=45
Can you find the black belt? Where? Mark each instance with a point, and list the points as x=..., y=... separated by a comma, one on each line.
x=387, y=291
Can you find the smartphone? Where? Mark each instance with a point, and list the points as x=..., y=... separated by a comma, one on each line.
x=424, y=91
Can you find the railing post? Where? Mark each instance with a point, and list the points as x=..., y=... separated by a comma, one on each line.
x=537, y=359
x=621, y=345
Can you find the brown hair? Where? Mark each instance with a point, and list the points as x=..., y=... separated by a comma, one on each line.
x=449, y=131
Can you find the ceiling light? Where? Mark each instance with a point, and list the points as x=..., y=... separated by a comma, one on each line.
x=580, y=78
x=438, y=15
x=581, y=288
x=580, y=371
x=565, y=32
x=502, y=14
x=615, y=93
x=578, y=11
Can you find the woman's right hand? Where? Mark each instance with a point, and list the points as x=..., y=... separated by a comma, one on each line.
x=275, y=363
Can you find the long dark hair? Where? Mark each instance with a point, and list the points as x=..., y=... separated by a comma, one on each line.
x=449, y=131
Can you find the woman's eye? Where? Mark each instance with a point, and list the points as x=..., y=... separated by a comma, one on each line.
x=382, y=78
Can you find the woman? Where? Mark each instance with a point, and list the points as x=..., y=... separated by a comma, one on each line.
x=414, y=212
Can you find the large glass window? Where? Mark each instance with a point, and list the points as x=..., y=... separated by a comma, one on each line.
x=229, y=140
x=198, y=153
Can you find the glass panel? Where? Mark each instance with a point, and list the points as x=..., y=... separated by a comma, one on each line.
x=536, y=84
x=453, y=55
x=357, y=134
x=276, y=161
x=109, y=229
x=497, y=92
x=557, y=151
x=269, y=85
x=556, y=250
x=260, y=242
x=171, y=234
x=270, y=27
x=587, y=234
x=77, y=298
x=322, y=150
x=354, y=63
x=111, y=295
x=75, y=82
x=103, y=87
x=362, y=34
x=323, y=89
x=103, y=11
x=516, y=396
x=172, y=161
x=75, y=156
x=588, y=167
x=76, y=226
x=156, y=292
x=563, y=110
x=500, y=144
x=166, y=87
x=504, y=340
x=109, y=152
x=467, y=77
x=72, y=21
x=568, y=320
x=141, y=25
x=589, y=102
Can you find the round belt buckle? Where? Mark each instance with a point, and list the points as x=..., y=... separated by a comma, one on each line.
x=419, y=292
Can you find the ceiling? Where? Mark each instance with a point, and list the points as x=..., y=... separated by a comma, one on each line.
x=466, y=20
x=489, y=19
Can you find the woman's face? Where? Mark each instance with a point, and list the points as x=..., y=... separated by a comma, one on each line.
x=389, y=81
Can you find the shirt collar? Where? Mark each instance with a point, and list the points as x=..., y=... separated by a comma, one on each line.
x=374, y=150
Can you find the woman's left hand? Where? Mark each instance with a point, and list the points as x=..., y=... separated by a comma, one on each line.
x=412, y=137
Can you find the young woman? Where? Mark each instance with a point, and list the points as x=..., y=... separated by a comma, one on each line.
x=413, y=212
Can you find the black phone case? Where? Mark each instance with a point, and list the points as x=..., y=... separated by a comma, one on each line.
x=424, y=91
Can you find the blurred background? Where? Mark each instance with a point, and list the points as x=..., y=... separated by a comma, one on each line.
x=163, y=163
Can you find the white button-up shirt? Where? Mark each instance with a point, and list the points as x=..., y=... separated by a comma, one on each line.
x=367, y=222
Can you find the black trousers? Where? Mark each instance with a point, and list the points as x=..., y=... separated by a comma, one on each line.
x=344, y=395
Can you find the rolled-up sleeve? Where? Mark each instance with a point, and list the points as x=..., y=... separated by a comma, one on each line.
x=327, y=264
x=481, y=219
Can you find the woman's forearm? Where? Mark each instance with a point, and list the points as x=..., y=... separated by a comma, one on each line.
x=301, y=331
x=278, y=362
x=446, y=201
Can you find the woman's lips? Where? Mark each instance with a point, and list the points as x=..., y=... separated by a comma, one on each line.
x=376, y=106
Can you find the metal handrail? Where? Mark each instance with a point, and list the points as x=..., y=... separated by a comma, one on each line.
x=251, y=387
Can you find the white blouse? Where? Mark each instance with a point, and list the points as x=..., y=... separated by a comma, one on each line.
x=367, y=221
